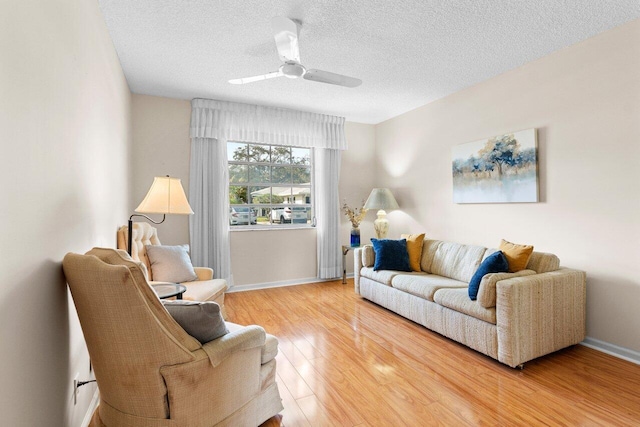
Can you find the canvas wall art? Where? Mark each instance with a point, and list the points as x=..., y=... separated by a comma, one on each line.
x=502, y=169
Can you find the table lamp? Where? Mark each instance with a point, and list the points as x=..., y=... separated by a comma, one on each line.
x=383, y=200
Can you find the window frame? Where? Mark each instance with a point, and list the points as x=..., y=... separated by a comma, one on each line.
x=256, y=207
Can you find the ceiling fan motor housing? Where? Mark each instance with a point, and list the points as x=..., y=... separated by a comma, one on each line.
x=293, y=70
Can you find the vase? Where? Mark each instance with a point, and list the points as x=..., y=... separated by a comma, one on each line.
x=355, y=237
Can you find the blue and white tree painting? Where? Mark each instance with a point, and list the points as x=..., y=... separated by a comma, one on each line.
x=502, y=169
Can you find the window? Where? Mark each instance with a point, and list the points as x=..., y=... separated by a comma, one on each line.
x=269, y=185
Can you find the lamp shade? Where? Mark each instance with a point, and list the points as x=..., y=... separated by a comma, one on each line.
x=381, y=198
x=166, y=196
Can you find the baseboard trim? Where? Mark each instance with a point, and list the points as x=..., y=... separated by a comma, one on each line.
x=92, y=407
x=612, y=349
x=280, y=284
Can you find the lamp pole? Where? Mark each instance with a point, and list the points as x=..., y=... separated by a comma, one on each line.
x=130, y=230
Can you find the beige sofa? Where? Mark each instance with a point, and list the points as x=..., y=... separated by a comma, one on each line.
x=205, y=288
x=516, y=317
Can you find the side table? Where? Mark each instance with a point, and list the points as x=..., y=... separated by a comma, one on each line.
x=168, y=290
x=345, y=250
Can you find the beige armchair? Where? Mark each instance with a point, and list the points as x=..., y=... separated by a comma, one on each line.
x=149, y=371
x=206, y=288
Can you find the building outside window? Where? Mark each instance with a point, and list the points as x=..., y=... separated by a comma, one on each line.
x=269, y=185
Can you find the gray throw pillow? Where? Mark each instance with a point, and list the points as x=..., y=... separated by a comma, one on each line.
x=201, y=320
x=171, y=263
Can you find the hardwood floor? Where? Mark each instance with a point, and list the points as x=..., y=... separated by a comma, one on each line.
x=345, y=361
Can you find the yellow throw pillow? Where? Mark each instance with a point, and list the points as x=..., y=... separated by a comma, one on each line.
x=517, y=255
x=414, y=247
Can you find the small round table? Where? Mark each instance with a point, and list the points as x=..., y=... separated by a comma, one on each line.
x=168, y=290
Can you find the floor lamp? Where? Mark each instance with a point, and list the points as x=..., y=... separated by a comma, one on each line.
x=166, y=196
x=383, y=200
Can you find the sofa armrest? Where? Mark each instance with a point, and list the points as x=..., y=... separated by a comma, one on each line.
x=235, y=374
x=204, y=273
x=540, y=314
x=362, y=257
x=487, y=289
x=368, y=256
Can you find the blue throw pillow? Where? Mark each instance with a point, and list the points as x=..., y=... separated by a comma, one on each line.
x=391, y=254
x=494, y=263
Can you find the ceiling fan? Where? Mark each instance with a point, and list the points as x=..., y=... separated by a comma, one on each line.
x=286, y=36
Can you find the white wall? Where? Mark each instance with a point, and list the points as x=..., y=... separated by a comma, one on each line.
x=357, y=174
x=162, y=146
x=585, y=102
x=65, y=137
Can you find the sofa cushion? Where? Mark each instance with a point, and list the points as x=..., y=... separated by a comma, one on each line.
x=171, y=263
x=495, y=263
x=201, y=320
x=457, y=261
x=458, y=300
x=382, y=276
x=429, y=248
x=414, y=248
x=424, y=285
x=487, y=290
x=391, y=254
x=517, y=255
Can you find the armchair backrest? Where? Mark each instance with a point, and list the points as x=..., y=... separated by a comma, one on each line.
x=143, y=234
x=128, y=332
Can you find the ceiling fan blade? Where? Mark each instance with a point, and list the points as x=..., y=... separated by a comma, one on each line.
x=286, y=35
x=255, y=78
x=331, y=78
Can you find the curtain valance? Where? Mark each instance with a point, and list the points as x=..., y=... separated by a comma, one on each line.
x=233, y=121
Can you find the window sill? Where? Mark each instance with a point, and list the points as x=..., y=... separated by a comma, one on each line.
x=259, y=228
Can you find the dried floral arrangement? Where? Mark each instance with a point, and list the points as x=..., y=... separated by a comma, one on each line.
x=355, y=215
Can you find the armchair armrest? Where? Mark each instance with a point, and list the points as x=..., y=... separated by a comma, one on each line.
x=242, y=339
x=204, y=273
x=230, y=364
x=540, y=314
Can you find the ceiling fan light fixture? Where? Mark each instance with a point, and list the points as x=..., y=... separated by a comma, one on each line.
x=292, y=70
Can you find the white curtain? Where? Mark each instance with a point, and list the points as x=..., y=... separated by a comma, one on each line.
x=213, y=123
x=209, y=198
x=327, y=177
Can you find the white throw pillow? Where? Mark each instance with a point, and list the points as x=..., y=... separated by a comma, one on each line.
x=171, y=263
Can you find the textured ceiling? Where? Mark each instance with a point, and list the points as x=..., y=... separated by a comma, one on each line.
x=407, y=52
